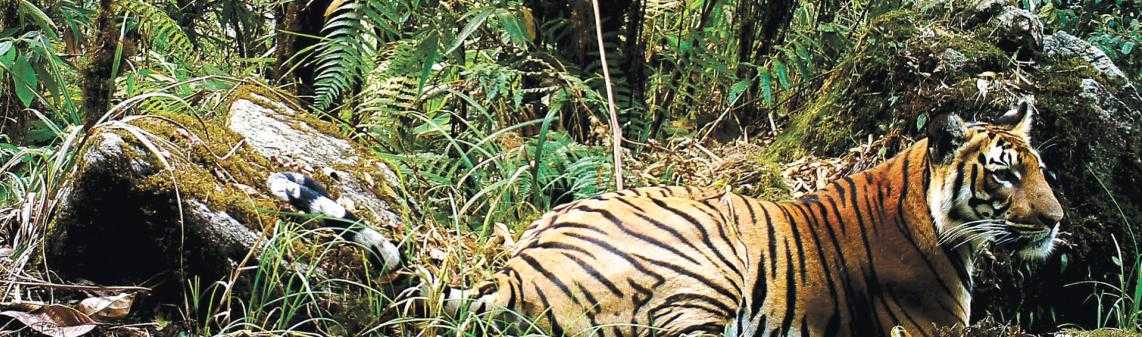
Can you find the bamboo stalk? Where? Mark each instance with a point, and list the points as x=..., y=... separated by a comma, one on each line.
x=616, y=129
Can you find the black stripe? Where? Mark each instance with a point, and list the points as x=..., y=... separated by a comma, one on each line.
x=807, y=212
x=562, y=225
x=630, y=204
x=770, y=255
x=594, y=308
x=617, y=252
x=705, y=236
x=959, y=181
x=836, y=184
x=680, y=270
x=596, y=275
x=549, y=275
x=512, y=289
x=519, y=282
x=576, y=225
x=833, y=327
x=556, y=330
x=760, y=286
x=562, y=246
x=670, y=317
x=796, y=240
x=719, y=309
x=618, y=223
x=708, y=327
x=872, y=218
x=790, y=292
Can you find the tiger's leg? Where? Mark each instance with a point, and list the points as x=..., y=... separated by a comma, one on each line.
x=485, y=297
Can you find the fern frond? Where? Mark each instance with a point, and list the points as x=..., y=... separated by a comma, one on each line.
x=162, y=32
x=342, y=54
x=390, y=90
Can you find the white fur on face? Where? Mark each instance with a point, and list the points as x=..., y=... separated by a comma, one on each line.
x=1043, y=249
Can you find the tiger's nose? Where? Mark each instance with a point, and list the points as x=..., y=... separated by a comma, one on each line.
x=1050, y=218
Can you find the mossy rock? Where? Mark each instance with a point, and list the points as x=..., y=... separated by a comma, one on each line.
x=184, y=196
x=910, y=65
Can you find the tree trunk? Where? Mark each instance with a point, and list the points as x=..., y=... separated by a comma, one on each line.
x=635, y=62
x=297, y=21
x=98, y=81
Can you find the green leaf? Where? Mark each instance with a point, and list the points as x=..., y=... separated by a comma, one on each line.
x=1137, y=298
x=39, y=17
x=514, y=28
x=7, y=54
x=430, y=53
x=782, y=73
x=766, y=88
x=7, y=57
x=921, y=120
x=25, y=81
x=469, y=28
x=736, y=91
x=1127, y=47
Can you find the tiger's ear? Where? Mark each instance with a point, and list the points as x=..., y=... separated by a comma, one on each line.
x=946, y=133
x=1019, y=119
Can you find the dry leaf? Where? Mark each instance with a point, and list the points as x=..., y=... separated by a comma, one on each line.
x=505, y=234
x=55, y=320
x=129, y=331
x=108, y=307
x=437, y=254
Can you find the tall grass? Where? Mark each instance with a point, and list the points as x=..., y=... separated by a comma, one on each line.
x=1119, y=302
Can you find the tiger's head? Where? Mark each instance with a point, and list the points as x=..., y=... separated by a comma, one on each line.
x=988, y=184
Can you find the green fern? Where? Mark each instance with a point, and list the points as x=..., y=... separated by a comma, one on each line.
x=162, y=33
x=342, y=54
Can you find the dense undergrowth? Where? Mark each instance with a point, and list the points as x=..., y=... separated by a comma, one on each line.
x=492, y=112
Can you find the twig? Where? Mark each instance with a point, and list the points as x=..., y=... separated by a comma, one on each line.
x=616, y=130
x=81, y=287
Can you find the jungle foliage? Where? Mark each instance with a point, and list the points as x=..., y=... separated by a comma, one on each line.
x=493, y=111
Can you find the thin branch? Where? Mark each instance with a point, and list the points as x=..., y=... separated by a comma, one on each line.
x=80, y=287
x=616, y=129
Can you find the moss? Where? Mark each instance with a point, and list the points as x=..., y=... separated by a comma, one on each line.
x=856, y=94
x=205, y=153
x=771, y=185
x=210, y=163
x=377, y=182
x=896, y=73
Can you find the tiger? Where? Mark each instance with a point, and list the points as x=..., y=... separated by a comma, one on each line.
x=892, y=247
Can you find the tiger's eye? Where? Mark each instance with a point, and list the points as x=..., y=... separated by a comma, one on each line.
x=1005, y=175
